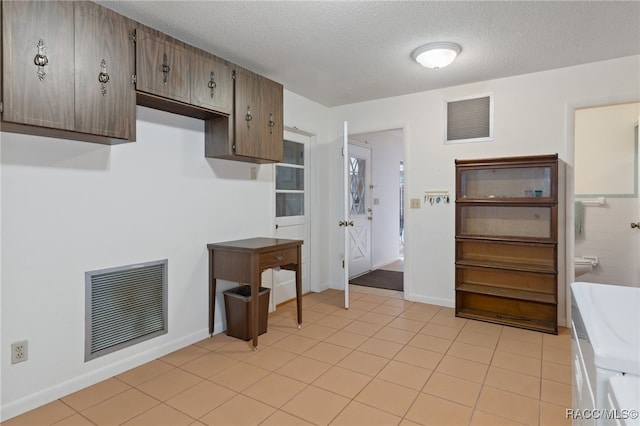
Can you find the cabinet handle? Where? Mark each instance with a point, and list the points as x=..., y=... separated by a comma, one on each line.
x=248, y=117
x=212, y=84
x=165, y=68
x=103, y=77
x=41, y=59
x=279, y=257
x=271, y=123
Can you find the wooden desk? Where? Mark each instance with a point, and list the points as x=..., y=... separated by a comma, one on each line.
x=244, y=260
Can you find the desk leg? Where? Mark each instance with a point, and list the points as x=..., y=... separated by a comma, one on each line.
x=212, y=294
x=299, y=287
x=255, y=290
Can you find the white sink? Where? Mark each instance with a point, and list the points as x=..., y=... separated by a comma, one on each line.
x=611, y=315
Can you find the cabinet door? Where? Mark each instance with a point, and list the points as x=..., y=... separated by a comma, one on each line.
x=104, y=54
x=211, y=82
x=37, y=31
x=162, y=66
x=271, y=141
x=247, y=115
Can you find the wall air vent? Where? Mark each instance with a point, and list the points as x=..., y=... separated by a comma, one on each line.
x=124, y=306
x=469, y=120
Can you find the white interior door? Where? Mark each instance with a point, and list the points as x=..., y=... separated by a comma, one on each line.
x=637, y=218
x=360, y=212
x=291, y=213
x=345, y=211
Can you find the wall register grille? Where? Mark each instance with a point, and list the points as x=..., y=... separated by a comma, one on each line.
x=124, y=306
x=469, y=120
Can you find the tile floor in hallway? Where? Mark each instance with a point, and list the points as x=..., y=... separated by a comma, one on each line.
x=384, y=361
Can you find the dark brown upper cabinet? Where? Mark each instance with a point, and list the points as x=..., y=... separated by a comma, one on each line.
x=211, y=82
x=255, y=133
x=162, y=65
x=271, y=110
x=67, y=66
x=38, y=63
x=105, y=63
x=179, y=78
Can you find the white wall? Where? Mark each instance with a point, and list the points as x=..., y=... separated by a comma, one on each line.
x=70, y=207
x=531, y=117
x=607, y=235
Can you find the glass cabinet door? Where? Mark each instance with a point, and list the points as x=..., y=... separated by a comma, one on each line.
x=508, y=182
x=505, y=221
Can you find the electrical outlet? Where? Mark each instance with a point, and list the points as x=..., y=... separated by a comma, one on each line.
x=19, y=351
x=415, y=203
x=254, y=173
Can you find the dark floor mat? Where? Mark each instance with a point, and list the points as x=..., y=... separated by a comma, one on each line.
x=391, y=280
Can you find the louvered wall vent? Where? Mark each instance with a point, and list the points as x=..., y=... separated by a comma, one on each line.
x=469, y=120
x=124, y=306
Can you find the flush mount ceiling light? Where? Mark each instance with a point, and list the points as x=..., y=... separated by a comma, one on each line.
x=436, y=55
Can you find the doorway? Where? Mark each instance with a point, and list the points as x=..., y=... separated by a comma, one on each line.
x=606, y=192
x=386, y=213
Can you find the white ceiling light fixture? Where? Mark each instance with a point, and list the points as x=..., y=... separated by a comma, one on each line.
x=436, y=55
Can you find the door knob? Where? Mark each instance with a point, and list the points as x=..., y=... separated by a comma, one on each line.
x=635, y=225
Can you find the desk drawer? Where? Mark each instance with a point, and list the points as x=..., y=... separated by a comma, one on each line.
x=278, y=258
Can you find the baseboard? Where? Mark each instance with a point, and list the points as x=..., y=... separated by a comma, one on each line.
x=45, y=396
x=438, y=301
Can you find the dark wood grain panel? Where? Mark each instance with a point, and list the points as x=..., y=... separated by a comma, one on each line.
x=218, y=137
x=104, y=35
x=151, y=47
x=509, y=309
x=256, y=140
x=271, y=143
x=27, y=99
x=246, y=98
x=503, y=278
x=280, y=257
x=204, y=68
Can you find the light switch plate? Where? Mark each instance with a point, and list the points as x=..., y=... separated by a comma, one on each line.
x=415, y=203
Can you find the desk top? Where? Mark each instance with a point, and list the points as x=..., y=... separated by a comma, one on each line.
x=255, y=245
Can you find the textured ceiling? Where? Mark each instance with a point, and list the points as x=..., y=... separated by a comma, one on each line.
x=343, y=52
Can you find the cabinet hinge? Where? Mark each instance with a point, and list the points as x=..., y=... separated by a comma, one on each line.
x=134, y=79
x=233, y=74
x=1, y=107
x=343, y=264
x=234, y=148
x=132, y=37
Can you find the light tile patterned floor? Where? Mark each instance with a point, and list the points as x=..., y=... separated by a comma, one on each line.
x=385, y=361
